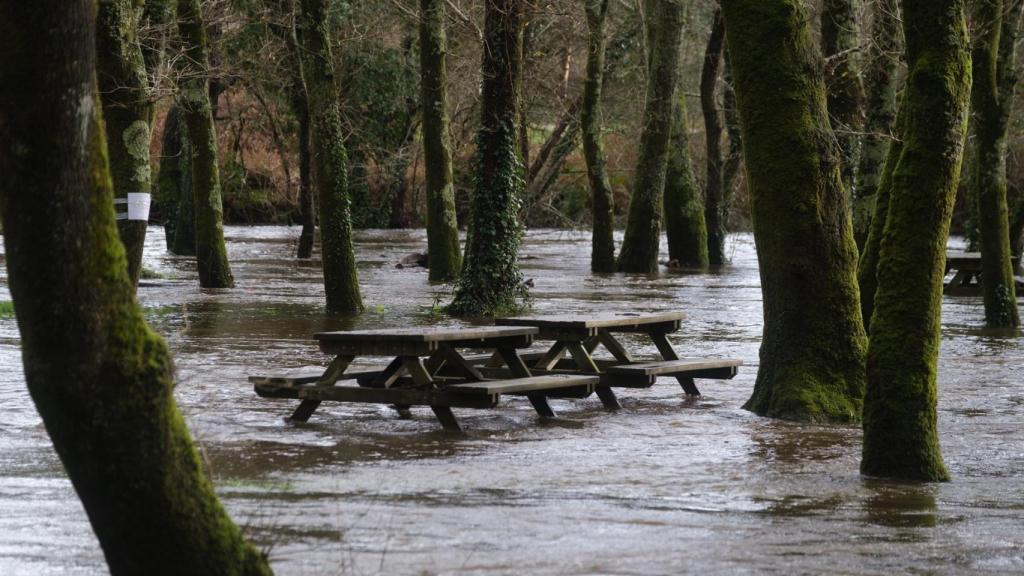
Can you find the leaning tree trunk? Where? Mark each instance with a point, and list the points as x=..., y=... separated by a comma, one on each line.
x=443, y=255
x=840, y=42
x=341, y=283
x=714, y=198
x=100, y=378
x=992, y=101
x=812, y=354
x=127, y=110
x=643, y=227
x=491, y=282
x=602, y=255
x=880, y=87
x=194, y=99
x=685, y=227
x=900, y=421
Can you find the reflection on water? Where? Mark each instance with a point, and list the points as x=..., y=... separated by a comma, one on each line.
x=667, y=485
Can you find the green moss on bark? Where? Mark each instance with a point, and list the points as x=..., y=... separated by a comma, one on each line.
x=444, y=255
x=715, y=213
x=100, y=378
x=900, y=418
x=602, y=255
x=812, y=354
x=341, y=282
x=685, y=227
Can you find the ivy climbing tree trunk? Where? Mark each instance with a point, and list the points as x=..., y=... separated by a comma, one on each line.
x=194, y=100
x=992, y=101
x=900, y=420
x=812, y=353
x=491, y=283
x=643, y=228
x=341, y=282
x=880, y=85
x=714, y=198
x=127, y=110
x=602, y=255
x=840, y=41
x=100, y=378
x=443, y=254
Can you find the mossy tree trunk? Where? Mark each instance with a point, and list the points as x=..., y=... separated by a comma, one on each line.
x=733, y=167
x=643, y=228
x=602, y=255
x=880, y=85
x=900, y=420
x=992, y=100
x=341, y=282
x=100, y=378
x=840, y=41
x=685, y=227
x=443, y=252
x=127, y=109
x=812, y=354
x=174, y=186
x=194, y=100
x=1017, y=228
x=714, y=198
x=491, y=282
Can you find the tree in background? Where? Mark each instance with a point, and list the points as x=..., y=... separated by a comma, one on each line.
x=128, y=111
x=995, y=79
x=491, y=282
x=715, y=206
x=341, y=282
x=443, y=255
x=880, y=85
x=812, y=354
x=197, y=113
x=840, y=42
x=643, y=228
x=100, y=378
x=900, y=413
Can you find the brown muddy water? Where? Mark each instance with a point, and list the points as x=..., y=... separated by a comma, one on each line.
x=666, y=486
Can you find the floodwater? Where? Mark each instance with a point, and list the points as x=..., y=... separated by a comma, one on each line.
x=668, y=485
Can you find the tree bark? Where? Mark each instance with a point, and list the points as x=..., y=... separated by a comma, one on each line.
x=491, y=283
x=194, y=100
x=602, y=256
x=714, y=199
x=174, y=186
x=840, y=41
x=812, y=354
x=127, y=110
x=992, y=101
x=880, y=86
x=100, y=378
x=341, y=283
x=685, y=227
x=900, y=420
x=443, y=253
x=643, y=228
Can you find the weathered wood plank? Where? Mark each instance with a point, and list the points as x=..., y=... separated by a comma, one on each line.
x=396, y=396
x=426, y=334
x=578, y=321
x=520, y=385
x=301, y=378
x=673, y=367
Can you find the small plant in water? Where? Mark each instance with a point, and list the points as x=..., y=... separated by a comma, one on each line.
x=6, y=310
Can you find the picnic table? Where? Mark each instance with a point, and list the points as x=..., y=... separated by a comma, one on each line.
x=966, y=279
x=427, y=369
x=580, y=335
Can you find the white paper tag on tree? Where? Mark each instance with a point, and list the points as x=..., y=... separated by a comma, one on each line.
x=138, y=206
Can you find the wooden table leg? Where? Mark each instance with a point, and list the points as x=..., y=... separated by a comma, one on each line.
x=519, y=369
x=586, y=364
x=331, y=375
x=551, y=357
x=422, y=378
x=447, y=418
x=614, y=346
x=669, y=353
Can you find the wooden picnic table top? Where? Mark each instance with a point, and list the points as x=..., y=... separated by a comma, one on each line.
x=958, y=258
x=610, y=321
x=427, y=334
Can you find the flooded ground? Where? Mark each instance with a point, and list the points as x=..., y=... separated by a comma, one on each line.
x=668, y=485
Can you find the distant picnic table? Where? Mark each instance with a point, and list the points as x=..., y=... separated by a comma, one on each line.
x=428, y=366
x=966, y=267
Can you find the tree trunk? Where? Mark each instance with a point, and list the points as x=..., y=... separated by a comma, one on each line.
x=733, y=166
x=1017, y=228
x=643, y=228
x=880, y=87
x=185, y=223
x=443, y=254
x=127, y=110
x=900, y=429
x=167, y=191
x=306, y=205
x=685, y=227
x=840, y=42
x=341, y=282
x=602, y=256
x=812, y=354
x=491, y=283
x=992, y=100
x=714, y=200
x=867, y=270
x=100, y=378
x=194, y=99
